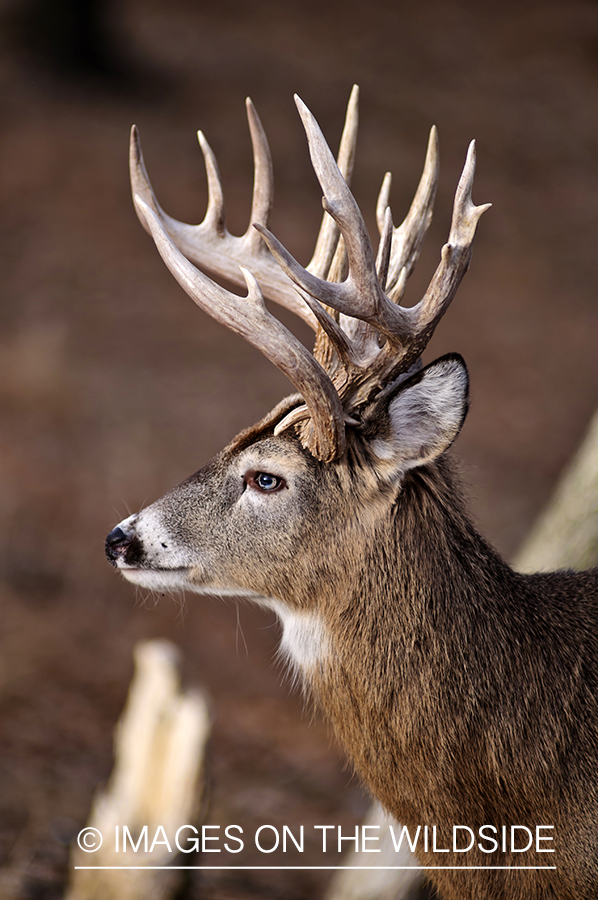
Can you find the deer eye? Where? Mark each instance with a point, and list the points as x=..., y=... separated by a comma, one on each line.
x=265, y=481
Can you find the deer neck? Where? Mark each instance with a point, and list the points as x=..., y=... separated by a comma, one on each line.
x=395, y=661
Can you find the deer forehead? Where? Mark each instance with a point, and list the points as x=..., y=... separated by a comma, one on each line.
x=272, y=455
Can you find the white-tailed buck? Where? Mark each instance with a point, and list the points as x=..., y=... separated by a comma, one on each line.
x=465, y=693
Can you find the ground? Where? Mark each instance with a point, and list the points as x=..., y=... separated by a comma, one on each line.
x=114, y=387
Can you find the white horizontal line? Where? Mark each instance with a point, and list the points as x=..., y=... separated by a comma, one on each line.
x=310, y=868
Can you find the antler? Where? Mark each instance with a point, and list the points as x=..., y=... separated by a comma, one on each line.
x=210, y=244
x=249, y=317
x=367, y=365
x=365, y=340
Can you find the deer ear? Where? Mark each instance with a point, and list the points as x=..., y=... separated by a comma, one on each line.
x=418, y=420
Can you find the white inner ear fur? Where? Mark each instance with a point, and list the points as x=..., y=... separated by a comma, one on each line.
x=426, y=417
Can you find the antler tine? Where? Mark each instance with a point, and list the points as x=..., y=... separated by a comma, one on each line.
x=263, y=179
x=383, y=256
x=409, y=235
x=339, y=202
x=383, y=201
x=141, y=185
x=346, y=151
x=456, y=254
x=214, y=216
x=327, y=241
x=249, y=318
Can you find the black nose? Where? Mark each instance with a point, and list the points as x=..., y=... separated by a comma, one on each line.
x=116, y=543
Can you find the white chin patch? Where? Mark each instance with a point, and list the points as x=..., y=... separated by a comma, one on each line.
x=158, y=580
x=180, y=580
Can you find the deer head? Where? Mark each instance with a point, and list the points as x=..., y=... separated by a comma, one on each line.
x=330, y=457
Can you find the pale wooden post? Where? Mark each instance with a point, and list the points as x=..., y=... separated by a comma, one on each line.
x=157, y=780
x=565, y=535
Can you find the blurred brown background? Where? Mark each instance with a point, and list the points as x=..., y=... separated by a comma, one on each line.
x=114, y=386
